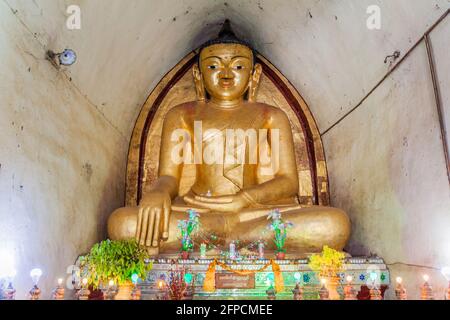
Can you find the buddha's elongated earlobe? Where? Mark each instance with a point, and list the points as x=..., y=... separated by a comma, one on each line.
x=254, y=83
x=199, y=86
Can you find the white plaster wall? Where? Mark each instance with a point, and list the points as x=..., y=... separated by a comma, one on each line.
x=61, y=162
x=324, y=47
x=124, y=48
x=440, y=41
x=387, y=169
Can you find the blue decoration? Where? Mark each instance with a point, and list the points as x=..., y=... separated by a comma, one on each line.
x=306, y=278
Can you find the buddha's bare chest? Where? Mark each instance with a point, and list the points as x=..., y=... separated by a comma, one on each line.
x=214, y=120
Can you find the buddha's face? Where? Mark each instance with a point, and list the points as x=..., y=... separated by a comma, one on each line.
x=226, y=70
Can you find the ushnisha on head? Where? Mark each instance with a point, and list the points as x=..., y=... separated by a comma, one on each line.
x=226, y=69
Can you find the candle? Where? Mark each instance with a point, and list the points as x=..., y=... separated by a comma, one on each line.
x=349, y=279
x=426, y=291
x=35, y=275
x=400, y=291
x=261, y=250
x=203, y=250
x=58, y=292
x=84, y=293
x=232, y=250
x=446, y=273
x=323, y=292
x=349, y=291
x=134, y=278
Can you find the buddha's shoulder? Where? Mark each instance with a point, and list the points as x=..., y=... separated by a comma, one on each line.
x=182, y=109
x=268, y=110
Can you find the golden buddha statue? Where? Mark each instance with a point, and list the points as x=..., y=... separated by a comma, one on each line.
x=245, y=164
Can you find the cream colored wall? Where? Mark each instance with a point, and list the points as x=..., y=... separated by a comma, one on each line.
x=75, y=133
x=124, y=47
x=387, y=169
x=62, y=163
x=324, y=47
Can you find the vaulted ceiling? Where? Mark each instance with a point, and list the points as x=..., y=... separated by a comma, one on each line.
x=323, y=47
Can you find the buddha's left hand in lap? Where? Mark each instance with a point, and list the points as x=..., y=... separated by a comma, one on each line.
x=229, y=203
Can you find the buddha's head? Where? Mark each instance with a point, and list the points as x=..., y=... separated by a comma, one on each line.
x=226, y=68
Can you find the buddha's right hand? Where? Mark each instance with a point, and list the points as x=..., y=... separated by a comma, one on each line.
x=153, y=219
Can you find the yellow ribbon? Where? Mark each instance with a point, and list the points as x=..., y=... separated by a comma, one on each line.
x=209, y=285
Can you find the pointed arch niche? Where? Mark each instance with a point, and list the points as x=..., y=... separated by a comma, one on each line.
x=177, y=86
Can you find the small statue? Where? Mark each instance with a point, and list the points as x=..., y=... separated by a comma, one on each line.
x=35, y=293
x=375, y=293
x=324, y=294
x=400, y=291
x=9, y=293
x=349, y=290
x=84, y=293
x=426, y=291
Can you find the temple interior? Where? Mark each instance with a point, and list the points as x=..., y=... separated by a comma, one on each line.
x=66, y=132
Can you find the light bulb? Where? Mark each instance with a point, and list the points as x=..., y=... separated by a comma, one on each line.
x=85, y=281
x=297, y=276
x=446, y=273
x=35, y=275
x=399, y=280
x=67, y=57
x=323, y=281
x=11, y=274
x=111, y=283
x=134, y=278
x=373, y=276
x=60, y=282
x=188, y=278
x=426, y=277
x=349, y=278
x=160, y=284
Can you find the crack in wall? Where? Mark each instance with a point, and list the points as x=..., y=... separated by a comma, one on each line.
x=412, y=265
x=394, y=67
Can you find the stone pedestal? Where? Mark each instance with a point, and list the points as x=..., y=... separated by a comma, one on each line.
x=255, y=286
